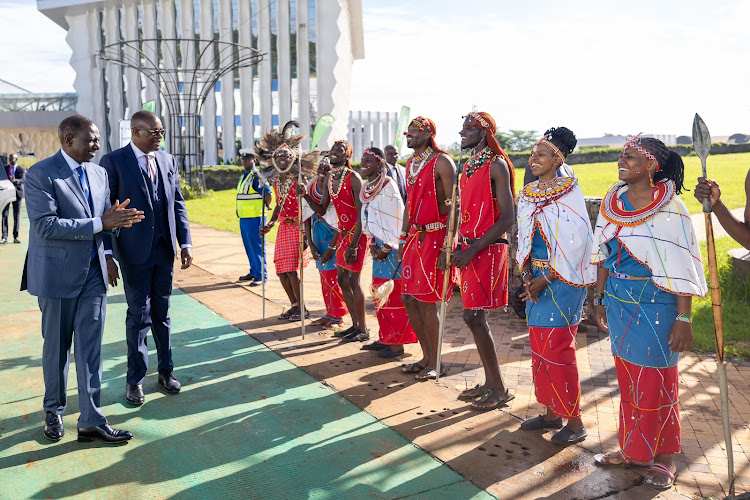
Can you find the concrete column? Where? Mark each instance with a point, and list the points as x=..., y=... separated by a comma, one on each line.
x=208, y=112
x=377, y=136
x=303, y=71
x=367, y=135
x=336, y=52
x=148, y=28
x=283, y=64
x=394, y=127
x=132, y=75
x=169, y=60
x=357, y=124
x=264, y=68
x=228, y=132
x=387, y=133
x=246, y=76
x=114, y=80
x=83, y=39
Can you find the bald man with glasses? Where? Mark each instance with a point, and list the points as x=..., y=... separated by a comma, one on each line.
x=141, y=171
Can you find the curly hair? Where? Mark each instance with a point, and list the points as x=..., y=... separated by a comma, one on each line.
x=563, y=138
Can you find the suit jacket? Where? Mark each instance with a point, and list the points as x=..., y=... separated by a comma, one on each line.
x=61, y=227
x=133, y=244
x=17, y=180
x=400, y=182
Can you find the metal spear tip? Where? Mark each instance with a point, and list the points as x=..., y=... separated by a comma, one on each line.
x=701, y=138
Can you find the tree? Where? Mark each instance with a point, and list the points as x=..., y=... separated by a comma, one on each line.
x=518, y=140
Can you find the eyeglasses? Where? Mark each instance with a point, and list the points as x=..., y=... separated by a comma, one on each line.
x=154, y=131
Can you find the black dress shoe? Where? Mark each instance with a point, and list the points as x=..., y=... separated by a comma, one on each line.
x=104, y=433
x=373, y=346
x=134, y=394
x=53, y=427
x=246, y=277
x=170, y=383
x=3, y=241
x=16, y=240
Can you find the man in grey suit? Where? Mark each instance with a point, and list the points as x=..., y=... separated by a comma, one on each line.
x=67, y=199
x=141, y=172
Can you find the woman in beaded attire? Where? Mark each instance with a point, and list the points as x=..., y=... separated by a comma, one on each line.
x=554, y=248
x=649, y=270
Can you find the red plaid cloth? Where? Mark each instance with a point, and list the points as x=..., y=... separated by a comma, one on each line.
x=286, y=251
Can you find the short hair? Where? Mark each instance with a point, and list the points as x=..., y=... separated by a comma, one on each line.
x=142, y=116
x=391, y=146
x=73, y=125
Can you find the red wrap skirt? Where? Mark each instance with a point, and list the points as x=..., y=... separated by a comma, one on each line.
x=484, y=282
x=286, y=249
x=393, y=321
x=553, y=363
x=332, y=294
x=345, y=239
x=649, y=410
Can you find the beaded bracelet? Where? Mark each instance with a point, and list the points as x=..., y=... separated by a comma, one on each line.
x=547, y=279
x=525, y=273
x=685, y=317
x=598, y=302
x=598, y=295
x=331, y=247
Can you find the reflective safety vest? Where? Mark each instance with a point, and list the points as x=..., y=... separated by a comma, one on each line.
x=249, y=201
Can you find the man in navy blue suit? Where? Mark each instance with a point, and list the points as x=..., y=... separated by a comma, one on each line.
x=68, y=202
x=148, y=176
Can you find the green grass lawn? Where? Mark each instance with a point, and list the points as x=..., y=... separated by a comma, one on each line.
x=217, y=209
x=735, y=299
x=729, y=170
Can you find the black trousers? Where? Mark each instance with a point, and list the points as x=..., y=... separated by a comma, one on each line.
x=16, y=214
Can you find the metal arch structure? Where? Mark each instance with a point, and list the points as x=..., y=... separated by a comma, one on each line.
x=185, y=71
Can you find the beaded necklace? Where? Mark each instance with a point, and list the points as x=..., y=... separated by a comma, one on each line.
x=283, y=187
x=420, y=161
x=614, y=211
x=372, y=188
x=316, y=193
x=335, y=193
x=477, y=161
x=536, y=192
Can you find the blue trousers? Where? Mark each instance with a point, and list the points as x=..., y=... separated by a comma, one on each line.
x=250, y=231
x=148, y=287
x=61, y=318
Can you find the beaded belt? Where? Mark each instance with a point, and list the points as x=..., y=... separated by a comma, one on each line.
x=623, y=276
x=470, y=241
x=290, y=220
x=434, y=226
x=539, y=263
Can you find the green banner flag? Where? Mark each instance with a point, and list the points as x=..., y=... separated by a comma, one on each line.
x=403, y=120
x=324, y=123
x=149, y=106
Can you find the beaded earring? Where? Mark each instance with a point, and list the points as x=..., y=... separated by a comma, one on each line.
x=651, y=179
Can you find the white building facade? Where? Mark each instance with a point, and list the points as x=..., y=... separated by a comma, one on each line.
x=309, y=48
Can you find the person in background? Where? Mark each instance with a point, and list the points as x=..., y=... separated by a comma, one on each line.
x=15, y=173
x=251, y=195
x=739, y=230
x=394, y=170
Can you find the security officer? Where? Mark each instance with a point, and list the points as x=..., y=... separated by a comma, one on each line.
x=250, y=198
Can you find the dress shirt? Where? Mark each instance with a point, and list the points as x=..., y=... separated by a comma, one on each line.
x=395, y=174
x=73, y=167
x=143, y=164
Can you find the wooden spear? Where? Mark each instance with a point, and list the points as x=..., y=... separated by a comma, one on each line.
x=448, y=245
x=301, y=244
x=702, y=146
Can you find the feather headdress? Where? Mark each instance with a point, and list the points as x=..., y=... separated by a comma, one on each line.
x=273, y=140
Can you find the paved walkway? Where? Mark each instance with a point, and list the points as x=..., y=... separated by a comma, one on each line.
x=702, y=464
x=247, y=424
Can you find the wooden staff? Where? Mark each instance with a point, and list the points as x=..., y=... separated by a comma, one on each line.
x=301, y=245
x=448, y=246
x=263, y=254
x=702, y=146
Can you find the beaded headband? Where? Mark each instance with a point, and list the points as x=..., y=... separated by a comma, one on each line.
x=478, y=119
x=347, y=147
x=422, y=124
x=634, y=141
x=367, y=152
x=547, y=141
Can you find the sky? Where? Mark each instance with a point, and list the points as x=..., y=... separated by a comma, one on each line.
x=595, y=67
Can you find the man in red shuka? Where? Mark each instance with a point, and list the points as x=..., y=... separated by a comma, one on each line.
x=429, y=184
